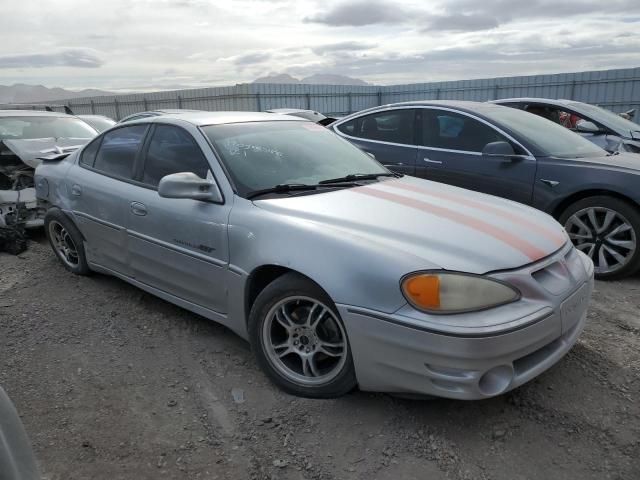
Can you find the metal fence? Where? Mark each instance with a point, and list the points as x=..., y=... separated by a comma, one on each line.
x=617, y=90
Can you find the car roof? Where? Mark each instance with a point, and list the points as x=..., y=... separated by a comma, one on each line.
x=464, y=105
x=201, y=118
x=91, y=115
x=558, y=102
x=32, y=113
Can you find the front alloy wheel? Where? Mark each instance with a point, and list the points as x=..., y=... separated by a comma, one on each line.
x=607, y=230
x=300, y=340
x=304, y=341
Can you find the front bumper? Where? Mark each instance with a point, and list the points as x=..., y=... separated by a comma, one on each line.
x=393, y=353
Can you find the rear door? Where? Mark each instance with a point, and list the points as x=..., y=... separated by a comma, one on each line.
x=388, y=135
x=178, y=246
x=98, y=186
x=451, y=144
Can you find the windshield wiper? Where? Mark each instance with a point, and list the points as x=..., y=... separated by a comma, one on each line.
x=280, y=188
x=359, y=176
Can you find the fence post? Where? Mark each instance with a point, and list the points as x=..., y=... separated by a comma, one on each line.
x=573, y=90
x=308, y=97
x=117, y=108
x=438, y=93
x=379, y=96
x=179, y=101
x=495, y=91
x=258, y=102
x=144, y=102
x=350, y=102
x=93, y=108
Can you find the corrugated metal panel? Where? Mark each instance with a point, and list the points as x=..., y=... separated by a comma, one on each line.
x=618, y=90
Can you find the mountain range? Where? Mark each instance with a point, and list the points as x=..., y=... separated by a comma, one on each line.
x=23, y=93
x=316, y=79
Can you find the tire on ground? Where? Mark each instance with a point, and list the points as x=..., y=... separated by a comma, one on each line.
x=58, y=216
x=628, y=211
x=293, y=285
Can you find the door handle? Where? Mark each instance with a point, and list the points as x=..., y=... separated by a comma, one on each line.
x=393, y=164
x=428, y=160
x=138, y=208
x=76, y=190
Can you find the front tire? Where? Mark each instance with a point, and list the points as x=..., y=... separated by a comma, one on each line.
x=66, y=241
x=299, y=339
x=607, y=229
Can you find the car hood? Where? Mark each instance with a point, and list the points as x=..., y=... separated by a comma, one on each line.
x=446, y=227
x=622, y=160
x=29, y=150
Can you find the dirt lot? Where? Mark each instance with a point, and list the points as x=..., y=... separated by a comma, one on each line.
x=113, y=383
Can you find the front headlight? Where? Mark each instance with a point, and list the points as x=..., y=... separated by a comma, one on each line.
x=444, y=292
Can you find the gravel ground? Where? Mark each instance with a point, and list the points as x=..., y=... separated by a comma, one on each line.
x=113, y=383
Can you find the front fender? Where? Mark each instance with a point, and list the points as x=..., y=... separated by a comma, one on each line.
x=352, y=269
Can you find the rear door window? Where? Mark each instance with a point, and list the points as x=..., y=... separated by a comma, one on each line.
x=172, y=150
x=392, y=126
x=118, y=151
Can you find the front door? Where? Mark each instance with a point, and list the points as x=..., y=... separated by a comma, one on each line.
x=451, y=152
x=178, y=246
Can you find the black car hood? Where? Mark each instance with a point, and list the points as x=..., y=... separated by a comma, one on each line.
x=624, y=161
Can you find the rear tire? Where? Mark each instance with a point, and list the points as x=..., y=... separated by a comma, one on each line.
x=607, y=229
x=299, y=339
x=66, y=241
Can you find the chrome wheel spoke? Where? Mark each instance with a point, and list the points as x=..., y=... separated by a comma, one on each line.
x=627, y=244
x=608, y=218
x=619, y=229
x=602, y=259
x=591, y=215
x=309, y=366
x=283, y=318
x=619, y=258
x=331, y=349
x=575, y=221
x=314, y=323
x=580, y=236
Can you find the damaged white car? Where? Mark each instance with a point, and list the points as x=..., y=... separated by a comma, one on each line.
x=25, y=136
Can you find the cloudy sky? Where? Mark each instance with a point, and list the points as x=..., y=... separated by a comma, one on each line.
x=155, y=44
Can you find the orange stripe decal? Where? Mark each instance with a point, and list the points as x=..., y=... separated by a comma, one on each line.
x=552, y=235
x=528, y=249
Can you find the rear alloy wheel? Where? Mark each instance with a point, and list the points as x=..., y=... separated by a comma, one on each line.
x=607, y=230
x=66, y=241
x=299, y=339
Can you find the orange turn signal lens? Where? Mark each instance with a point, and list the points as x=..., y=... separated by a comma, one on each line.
x=423, y=291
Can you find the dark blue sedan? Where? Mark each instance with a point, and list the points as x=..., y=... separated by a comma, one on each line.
x=516, y=155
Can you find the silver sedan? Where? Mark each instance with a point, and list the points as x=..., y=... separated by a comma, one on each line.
x=339, y=272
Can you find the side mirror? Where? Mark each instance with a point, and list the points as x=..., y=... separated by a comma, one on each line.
x=585, y=126
x=498, y=149
x=189, y=185
x=371, y=155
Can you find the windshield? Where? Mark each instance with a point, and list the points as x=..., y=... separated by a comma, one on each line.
x=28, y=128
x=610, y=119
x=550, y=138
x=260, y=155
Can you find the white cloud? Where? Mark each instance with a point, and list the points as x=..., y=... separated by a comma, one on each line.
x=147, y=44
